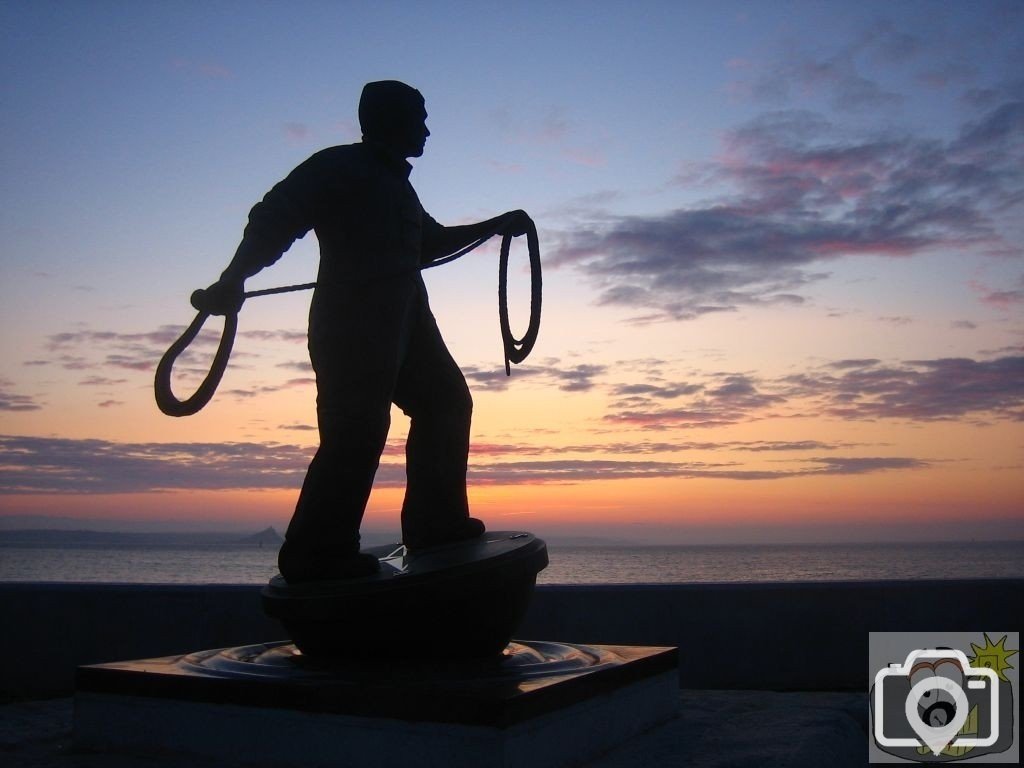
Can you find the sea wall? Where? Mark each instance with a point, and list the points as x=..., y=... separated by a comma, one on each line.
x=780, y=636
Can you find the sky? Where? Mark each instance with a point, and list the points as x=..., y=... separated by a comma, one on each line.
x=782, y=248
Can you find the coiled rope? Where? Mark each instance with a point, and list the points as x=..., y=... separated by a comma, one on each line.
x=515, y=350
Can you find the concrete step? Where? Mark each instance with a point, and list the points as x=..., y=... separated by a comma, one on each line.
x=714, y=729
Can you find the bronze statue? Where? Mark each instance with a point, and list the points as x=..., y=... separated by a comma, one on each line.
x=372, y=338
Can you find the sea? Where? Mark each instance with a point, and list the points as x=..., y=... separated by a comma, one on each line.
x=156, y=560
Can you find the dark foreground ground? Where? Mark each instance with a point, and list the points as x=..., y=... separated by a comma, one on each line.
x=731, y=638
x=714, y=729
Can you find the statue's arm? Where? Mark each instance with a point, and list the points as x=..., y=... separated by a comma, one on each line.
x=440, y=241
x=285, y=214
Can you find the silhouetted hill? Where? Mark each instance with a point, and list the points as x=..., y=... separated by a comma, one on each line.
x=268, y=538
x=47, y=538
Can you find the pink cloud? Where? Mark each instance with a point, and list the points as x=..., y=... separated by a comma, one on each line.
x=297, y=132
x=205, y=69
x=591, y=158
x=805, y=191
x=1004, y=300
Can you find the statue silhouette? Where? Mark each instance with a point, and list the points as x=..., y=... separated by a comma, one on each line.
x=373, y=340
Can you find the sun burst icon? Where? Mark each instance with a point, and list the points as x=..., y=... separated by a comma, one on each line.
x=993, y=656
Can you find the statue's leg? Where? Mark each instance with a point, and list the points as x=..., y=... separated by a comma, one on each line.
x=355, y=346
x=432, y=391
x=322, y=540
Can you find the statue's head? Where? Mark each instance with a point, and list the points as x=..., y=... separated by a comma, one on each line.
x=394, y=114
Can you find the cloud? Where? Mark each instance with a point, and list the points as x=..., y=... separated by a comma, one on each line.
x=289, y=336
x=140, y=351
x=786, y=445
x=740, y=392
x=923, y=390
x=303, y=366
x=1005, y=299
x=635, y=448
x=164, y=336
x=58, y=465
x=672, y=418
x=724, y=398
x=572, y=378
x=857, y=362
x=948, y=74
x=896, y=319
x=569, y=470
x=837, y=76
x=590, y=157
x=662, y=391
x=805, y=192
x=986, y=97
x=88, y=349
x=862, y=465
x=297, y=133
x=862, y=389
x=577, y=378
x=577, y=471
x=264, y=389
x=13, y=402
x=100, y=381
x=935, y=53
x=36, y=465
x=493, y=379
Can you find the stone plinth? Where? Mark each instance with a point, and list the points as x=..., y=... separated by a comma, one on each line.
x=542, y=705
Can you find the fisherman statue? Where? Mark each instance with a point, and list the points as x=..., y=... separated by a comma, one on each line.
x=373, y=340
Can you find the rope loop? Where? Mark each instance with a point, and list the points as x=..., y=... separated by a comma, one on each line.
x=165, y=399
x=517, y=350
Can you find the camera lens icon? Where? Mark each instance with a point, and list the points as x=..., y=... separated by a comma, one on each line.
x=938, y=723
x=935, y=706
x=937, y=691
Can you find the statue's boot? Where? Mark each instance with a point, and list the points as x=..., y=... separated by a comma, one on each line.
x=298, y=566
x=465, y=529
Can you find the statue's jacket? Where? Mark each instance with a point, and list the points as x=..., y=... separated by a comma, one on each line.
x=372, y=229
x=358, y=200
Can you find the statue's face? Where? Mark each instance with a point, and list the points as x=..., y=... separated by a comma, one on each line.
x=394, y=114
x=411, y=132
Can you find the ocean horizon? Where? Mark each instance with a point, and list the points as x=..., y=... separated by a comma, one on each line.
x=205, y=558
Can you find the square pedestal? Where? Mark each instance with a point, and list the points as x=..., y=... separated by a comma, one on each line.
x=360, y=718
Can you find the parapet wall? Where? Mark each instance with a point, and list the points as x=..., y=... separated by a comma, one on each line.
x=782, y=636
x=772, y=636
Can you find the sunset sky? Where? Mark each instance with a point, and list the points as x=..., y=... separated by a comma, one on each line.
x=782, y=242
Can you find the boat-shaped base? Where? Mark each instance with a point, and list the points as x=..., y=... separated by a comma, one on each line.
x=460, y=601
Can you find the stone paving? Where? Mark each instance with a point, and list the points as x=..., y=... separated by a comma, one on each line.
x=714, y=729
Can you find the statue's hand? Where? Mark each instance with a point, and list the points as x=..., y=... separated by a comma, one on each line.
x=515, y=223
x=224, y=297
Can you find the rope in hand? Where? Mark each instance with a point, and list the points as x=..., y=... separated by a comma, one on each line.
x=515, y=350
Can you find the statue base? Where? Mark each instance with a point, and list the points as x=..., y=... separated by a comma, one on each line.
x=460, y=601
x=540, y=704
